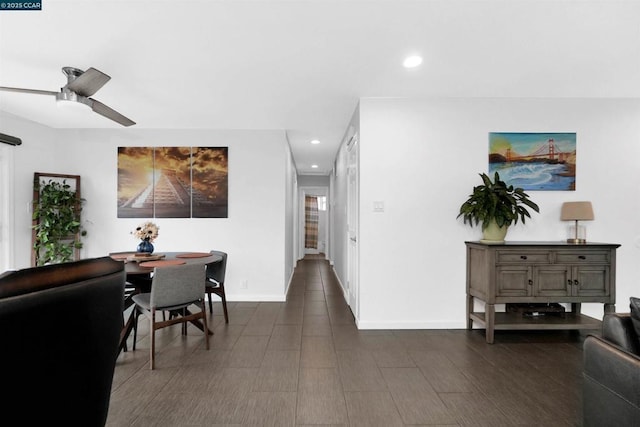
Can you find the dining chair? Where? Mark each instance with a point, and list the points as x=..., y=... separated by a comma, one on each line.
x=215, y=282
x=173, y=288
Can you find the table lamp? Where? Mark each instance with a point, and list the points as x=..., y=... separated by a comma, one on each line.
x=577, y=211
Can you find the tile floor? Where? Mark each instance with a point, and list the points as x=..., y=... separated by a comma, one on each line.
x=304, y=363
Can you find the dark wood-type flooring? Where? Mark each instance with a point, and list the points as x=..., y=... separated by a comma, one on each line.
x=303, y=362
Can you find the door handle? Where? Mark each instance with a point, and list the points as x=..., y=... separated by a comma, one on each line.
x=353, y=239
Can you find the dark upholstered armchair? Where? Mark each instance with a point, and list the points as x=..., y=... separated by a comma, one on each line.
x=60, y=329
x=611, y=391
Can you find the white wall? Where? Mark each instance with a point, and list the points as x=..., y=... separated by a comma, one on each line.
x=422, y=158
x=291, y=217
x=313, y=181
x=259, y=202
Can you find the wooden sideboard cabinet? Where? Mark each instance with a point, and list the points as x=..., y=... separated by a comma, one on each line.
x=539, y=272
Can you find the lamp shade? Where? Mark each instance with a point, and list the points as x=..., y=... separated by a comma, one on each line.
x=576, y=211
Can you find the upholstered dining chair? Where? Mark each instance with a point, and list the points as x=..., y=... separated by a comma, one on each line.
x=173, y=288
x=215, y=282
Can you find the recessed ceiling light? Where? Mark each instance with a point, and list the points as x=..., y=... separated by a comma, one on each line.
x=315, y=141
x=314, y=166
x=412, y=61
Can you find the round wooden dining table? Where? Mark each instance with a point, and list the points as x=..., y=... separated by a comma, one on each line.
x=137, y=264
x=138, y=268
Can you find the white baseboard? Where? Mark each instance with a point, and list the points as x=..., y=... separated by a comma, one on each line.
x=253, y=298
x=363, y=324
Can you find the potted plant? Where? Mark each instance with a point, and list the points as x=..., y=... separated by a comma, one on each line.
x=56, y=223
x=496, y=205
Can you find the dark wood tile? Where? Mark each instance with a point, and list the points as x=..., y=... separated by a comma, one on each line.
x=372, y=408
x=320, y=397
x=416, y=400
x=248, y=351
x=440, y=372
x=278, y=371
x=474, y=409
x=285, y=337
x=277, y=409
x=304, y=362
x=392, y=358
x=318, y=352
x=359, y=372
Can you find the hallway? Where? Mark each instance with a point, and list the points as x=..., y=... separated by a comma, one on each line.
x=304, y=362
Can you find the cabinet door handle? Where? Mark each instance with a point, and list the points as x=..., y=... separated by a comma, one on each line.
x=523, y=257
x=569, y=282
x=530, y=282
x=575, y=282
x=582, y=257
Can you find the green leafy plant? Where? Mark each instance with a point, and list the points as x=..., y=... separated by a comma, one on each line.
x=496, y=201
x=57, y=223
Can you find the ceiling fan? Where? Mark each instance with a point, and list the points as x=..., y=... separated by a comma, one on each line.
x=80, y=86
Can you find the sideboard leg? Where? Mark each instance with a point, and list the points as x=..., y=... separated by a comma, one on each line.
x=469, y=310
x=576, y=307
x=609, y=308
x=489, y=320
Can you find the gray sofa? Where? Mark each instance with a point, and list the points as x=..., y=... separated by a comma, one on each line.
x=611, y=388
x=60, y=329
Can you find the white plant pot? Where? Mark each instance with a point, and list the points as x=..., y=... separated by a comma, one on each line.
x=493, y=233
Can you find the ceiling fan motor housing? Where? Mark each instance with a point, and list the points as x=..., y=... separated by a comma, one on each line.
x=67, y=94
x=71, y=73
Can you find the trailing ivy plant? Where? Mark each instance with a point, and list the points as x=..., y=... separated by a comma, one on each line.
x=57, y=223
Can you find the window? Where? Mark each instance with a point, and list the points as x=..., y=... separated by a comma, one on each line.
x=322, y=203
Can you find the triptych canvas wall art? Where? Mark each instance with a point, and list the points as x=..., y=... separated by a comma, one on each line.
x=172, y=182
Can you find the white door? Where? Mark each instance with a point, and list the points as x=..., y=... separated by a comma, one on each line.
x=353, y=264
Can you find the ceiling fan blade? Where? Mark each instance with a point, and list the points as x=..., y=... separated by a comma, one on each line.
x=33, y=91
x=110, y=113
x=88, y=83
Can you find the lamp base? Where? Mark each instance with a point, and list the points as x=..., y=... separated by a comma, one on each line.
x=577, y=241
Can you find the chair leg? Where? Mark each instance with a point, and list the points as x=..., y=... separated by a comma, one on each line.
x=210, y=302
x=224, y=306
x=204, y=323
x=153, y=337
x=135, y=326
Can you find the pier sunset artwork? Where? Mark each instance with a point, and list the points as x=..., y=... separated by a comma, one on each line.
x=172, y=182
x=534, y=161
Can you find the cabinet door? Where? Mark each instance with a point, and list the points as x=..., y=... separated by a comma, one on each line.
x=552, y=281
x=591, y=280
x=513, y=281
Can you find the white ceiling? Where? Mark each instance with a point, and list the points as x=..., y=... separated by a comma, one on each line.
x=301, y=66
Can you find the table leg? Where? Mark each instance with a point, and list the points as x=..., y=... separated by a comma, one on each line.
x=469, y=310
x=489, y=320
x=126, y=331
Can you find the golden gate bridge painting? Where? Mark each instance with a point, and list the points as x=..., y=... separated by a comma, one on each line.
x=534, y=161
